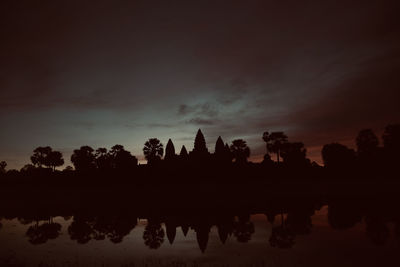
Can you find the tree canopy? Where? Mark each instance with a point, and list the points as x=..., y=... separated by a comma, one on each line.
x=153, y=150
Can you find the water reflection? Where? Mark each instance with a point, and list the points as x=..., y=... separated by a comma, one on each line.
x=153, y=234
x=287, y=222
x=113, y=227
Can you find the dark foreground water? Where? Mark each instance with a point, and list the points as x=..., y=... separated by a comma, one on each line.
x=326, y=237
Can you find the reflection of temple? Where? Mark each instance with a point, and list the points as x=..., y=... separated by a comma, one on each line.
x=288, y=220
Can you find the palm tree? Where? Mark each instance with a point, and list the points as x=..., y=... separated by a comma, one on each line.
x=274, y=142
x=153, y=150
x=240, y=150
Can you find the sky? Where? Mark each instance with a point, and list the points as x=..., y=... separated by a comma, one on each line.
x=101, y=73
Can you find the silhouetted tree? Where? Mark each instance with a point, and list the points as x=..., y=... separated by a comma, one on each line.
x=54, y=159
x=153, y=150
x=47, y=157
x=83, y=158
x=275, y=141
x=170, y=151
x=122, y=159
x=367, y=142
x=294, y=154
x=103, y=159
x=28, y=168
x=40, y=156
x=3, y=166
x=337, y=156
x=116, y=149
x=240, y=150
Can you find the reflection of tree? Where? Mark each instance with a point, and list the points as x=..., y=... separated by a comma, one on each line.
x=80, y=230
x=299, y=221
x=282, y=236
x=342, y=216
x=40, y=234
x=153, y=235
x=118, y=228
x=115, y=228
x=377, y=230
x=243, y=229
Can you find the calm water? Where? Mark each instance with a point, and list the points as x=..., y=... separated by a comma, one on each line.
x=250, y=241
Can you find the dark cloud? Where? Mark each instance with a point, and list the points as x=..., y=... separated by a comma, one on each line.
x=205, y=109
x=318, y=70
x=201, y=121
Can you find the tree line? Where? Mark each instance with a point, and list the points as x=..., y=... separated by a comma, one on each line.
x=289, y=154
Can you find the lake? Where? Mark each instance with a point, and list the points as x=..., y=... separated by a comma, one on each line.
x=309, y=235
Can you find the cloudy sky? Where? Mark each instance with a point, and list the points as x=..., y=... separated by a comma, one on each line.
x=119, y=72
